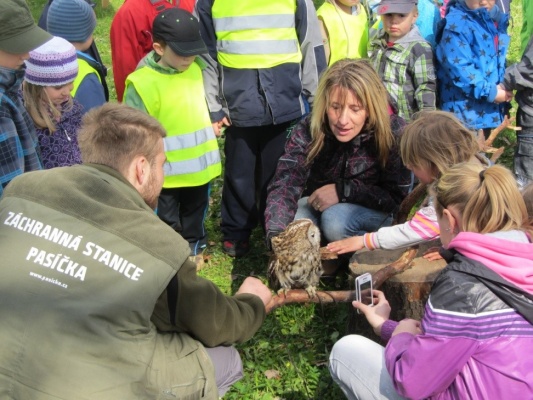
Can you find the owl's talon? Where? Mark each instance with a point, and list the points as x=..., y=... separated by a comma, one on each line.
x=311, y=291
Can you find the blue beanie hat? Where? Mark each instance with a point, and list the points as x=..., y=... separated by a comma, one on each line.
x=73, y=20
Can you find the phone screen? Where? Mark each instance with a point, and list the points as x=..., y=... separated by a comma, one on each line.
x=365, y=290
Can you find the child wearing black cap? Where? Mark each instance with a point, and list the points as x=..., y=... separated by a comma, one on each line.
x=169, y=86
x=404, y=59
x=19, y=151
x=75, y=21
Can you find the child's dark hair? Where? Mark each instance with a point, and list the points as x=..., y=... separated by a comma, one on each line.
x=160, y=41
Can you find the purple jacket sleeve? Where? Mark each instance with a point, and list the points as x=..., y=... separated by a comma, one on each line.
x=421, y=366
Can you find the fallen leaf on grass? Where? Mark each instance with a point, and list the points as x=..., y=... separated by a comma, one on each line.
x=272, y=374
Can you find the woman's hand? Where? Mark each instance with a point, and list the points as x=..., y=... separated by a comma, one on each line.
x=411, y=326
x=378, y=314
x=323, y=197
x=347, y=245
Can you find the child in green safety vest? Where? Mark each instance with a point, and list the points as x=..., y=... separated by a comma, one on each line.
x=169, y=86
x=344, y=27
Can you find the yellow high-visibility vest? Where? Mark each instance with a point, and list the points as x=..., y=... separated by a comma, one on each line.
x=256, y=34
x=348, y=34
x=177, y=101
x=84, y=70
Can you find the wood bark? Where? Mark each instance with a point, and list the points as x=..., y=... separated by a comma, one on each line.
x=301, y=296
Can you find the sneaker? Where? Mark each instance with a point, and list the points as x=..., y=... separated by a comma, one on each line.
x=236, y=248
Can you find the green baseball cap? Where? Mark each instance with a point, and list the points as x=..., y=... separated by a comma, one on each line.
x=18, y=32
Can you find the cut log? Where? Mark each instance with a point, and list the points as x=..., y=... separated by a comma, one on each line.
x=409, y=278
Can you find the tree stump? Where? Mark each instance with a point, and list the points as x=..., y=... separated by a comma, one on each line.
x=407, y=292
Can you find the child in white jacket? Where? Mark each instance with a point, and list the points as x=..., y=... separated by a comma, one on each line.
x=432, y=143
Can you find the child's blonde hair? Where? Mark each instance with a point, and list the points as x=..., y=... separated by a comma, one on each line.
x=488, y=199
x=41, y=109
x=436, y=140
x=358, y=77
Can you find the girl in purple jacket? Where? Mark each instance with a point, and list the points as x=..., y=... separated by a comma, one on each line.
x=476, y=337
x=50, y=72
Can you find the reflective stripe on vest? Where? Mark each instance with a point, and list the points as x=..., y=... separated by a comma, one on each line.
x=254, y=35
x=178, y=102
x=348, y=34
x=84, y=70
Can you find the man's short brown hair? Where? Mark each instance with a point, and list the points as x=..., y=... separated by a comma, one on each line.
x=114, y=134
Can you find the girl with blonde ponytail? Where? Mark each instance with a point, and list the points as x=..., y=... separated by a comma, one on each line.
x=476, y=337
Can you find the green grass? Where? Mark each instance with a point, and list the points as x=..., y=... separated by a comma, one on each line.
x=287, y=358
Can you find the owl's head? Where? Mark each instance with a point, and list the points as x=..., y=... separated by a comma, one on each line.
x=299, y=233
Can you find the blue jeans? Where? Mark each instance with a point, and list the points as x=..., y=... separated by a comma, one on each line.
x=343, y=220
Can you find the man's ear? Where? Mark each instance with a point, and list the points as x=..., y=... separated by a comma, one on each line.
x=138, y=171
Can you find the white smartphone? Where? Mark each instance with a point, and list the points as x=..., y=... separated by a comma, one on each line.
x=363, y=289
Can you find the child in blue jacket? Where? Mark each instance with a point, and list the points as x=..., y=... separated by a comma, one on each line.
x=471, y=50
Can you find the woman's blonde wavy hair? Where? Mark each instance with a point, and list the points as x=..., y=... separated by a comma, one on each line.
x=359, y=77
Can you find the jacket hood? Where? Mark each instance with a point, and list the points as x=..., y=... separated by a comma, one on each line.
x=413, y=35
x=510, y=257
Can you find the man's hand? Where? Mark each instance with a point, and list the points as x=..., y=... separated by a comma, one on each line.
x=254, y=286
x=378, y=314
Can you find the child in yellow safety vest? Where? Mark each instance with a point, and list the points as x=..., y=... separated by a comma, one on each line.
x=168, y=85
x=75, y=21
x=344, y=26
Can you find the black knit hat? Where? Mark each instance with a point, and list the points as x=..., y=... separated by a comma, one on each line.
x=181, y=32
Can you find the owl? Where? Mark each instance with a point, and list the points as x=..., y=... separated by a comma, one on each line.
x=295, y=262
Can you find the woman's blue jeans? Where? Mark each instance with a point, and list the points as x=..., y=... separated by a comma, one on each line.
x=343, y=220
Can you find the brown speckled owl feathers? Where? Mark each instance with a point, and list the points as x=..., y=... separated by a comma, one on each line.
x=295, y=263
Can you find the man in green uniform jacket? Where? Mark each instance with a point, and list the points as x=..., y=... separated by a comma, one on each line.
x=97, y=296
